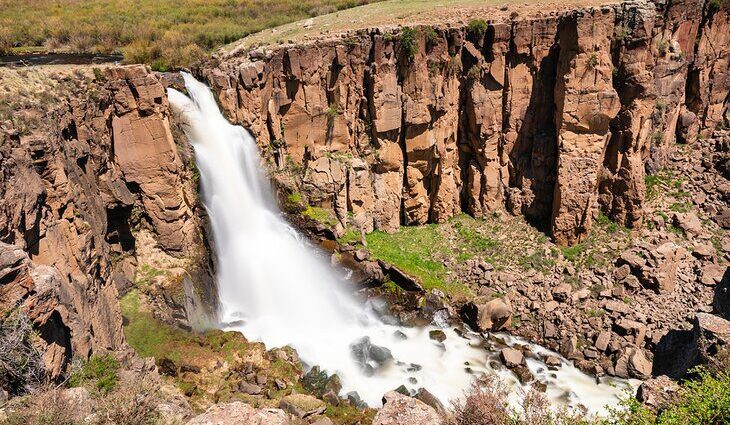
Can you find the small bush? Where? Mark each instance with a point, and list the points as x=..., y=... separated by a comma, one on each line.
x=662, y=46
x=130, y=404
x=431, y=36
x=99, y=371
x=715, y=4
x=657, y=137
x=475, y=72
x=593, y=60
x=485, y=404
x=408, y=42
x=140, y=51
x=622, y=33
x=21, y=365
x=477, y=27
x=455, y=65
x=42, y=408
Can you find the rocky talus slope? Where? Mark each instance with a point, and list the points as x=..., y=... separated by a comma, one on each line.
x=553, y=116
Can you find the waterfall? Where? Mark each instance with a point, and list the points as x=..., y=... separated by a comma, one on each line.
x=274, y=288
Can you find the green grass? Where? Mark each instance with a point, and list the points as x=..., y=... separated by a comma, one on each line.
x=662, y=182
x=411, y=250
x=705, y=400
x=322, y=215
x=164, y=33
x=420, y=251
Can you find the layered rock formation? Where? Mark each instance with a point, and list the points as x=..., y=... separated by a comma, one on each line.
x=98, y=167
x=553, y=116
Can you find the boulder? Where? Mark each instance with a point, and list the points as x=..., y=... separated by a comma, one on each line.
x=399, y=409
x=437, y=335
x=369, y=355
x=494, y=315
x=721, y=299
x=689, y=222
x=657, y=393
x=602, y=341
x=511, y=357
x=553, y=362
x=425, y=396
x=569, y=347
x=658, y=269
x=302, y=405
x=633, y=364
x=78, y=401
x=400, y=278
x=239, y=413
x=250, y=389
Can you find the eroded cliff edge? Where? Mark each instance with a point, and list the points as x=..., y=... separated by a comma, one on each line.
x=555, y=116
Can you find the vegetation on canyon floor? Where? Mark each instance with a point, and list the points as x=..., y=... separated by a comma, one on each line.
x=434, y=253
x=164, y=33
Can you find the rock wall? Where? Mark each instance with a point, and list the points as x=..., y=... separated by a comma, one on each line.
x=556, y=116
x=99, y=167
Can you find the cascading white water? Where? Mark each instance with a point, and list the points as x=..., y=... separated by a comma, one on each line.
x=273, y=288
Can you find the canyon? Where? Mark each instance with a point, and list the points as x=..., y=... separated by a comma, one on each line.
x=560, y=118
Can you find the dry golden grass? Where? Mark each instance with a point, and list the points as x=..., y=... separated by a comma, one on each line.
x=164, y=33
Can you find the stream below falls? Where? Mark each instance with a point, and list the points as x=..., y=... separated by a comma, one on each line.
x=275, y=289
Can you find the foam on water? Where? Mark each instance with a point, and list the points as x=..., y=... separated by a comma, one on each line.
x=273, y=288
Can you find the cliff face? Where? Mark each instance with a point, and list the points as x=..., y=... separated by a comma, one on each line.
x=554, y=117
x=95, y=171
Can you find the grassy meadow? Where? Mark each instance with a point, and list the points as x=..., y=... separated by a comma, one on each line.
x=163, y=33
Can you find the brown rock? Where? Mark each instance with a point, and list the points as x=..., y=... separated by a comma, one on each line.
x=302, y=405
x=511, y=357
x=399, y=409
x=239, y=413
x=633, y=364
x=658, y=393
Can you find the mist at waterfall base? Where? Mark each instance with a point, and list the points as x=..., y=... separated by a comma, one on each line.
x=274, y=288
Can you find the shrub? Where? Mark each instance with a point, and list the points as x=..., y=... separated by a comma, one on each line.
x=99, y=371
x=130, y=404
x=593, y=60
x=657, y=137
x=477, y=27
x=455, y=65
x=21, y=365
x=43, y=408
x=6, y=41
x=140, y=51
x=715, y=4
x=622, y=33
x=431, y=36
x=485, y=404
x=408, y=42
x=475, y=72
x=662, y=46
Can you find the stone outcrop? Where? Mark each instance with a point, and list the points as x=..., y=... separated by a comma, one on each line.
x=399, y=409
x=554, y=116
x=97, y=169
x=35, y=289
x=239, y=413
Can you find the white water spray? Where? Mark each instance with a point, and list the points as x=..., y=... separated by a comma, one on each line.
x=274, y=289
